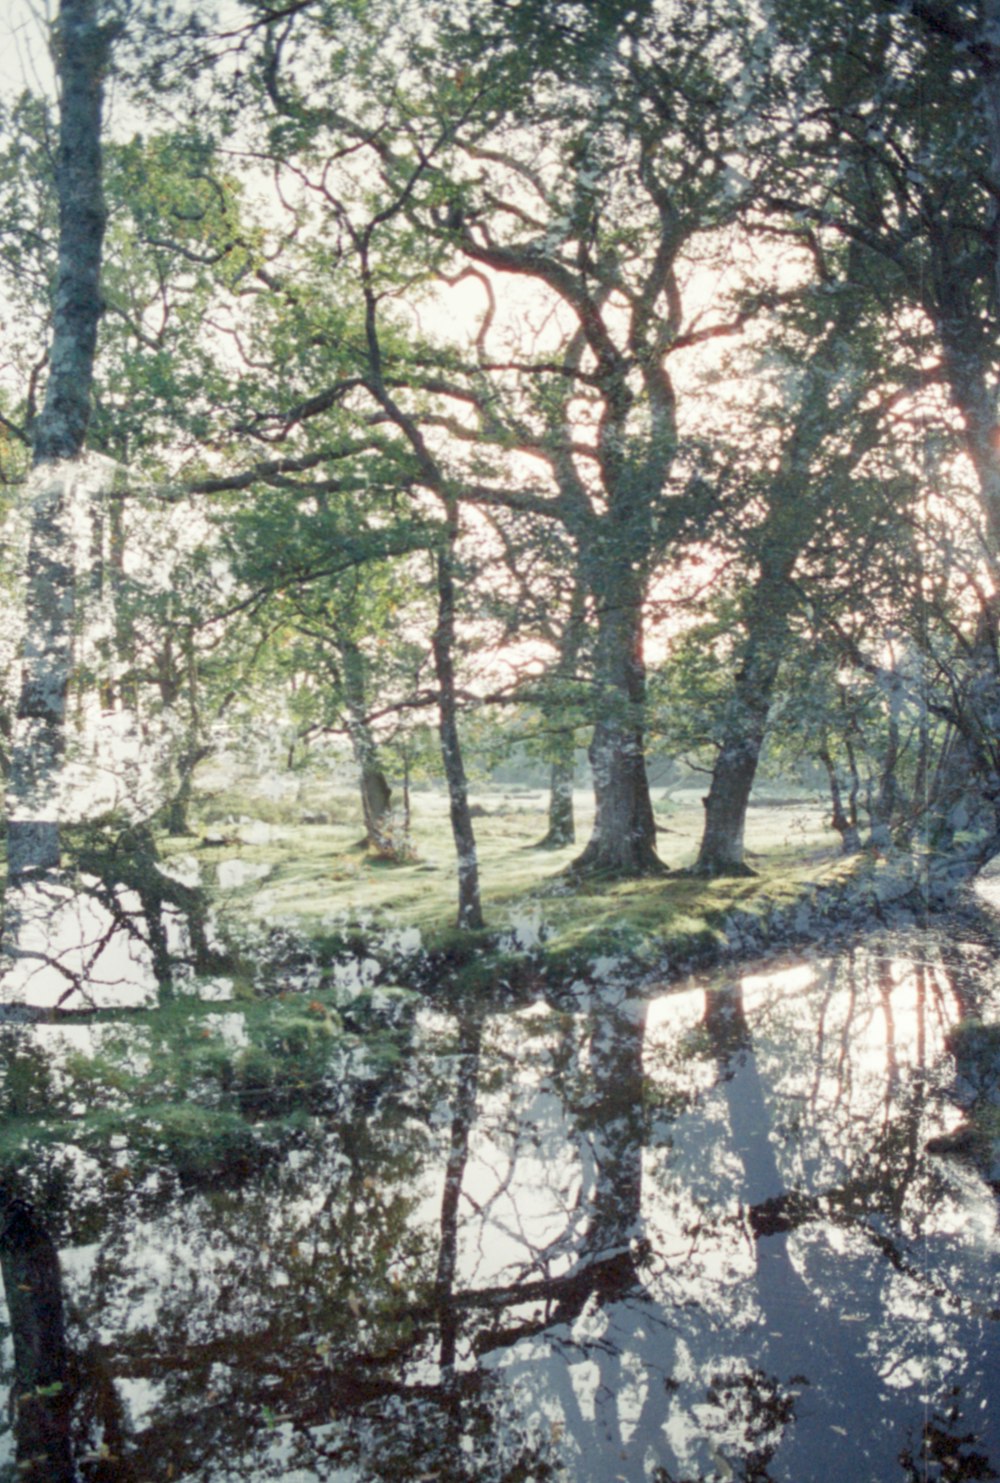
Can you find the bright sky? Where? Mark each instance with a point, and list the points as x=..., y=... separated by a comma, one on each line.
x=24, y=25
x=24, y=58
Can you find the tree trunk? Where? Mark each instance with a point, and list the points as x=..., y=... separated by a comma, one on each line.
x=376, y=800
x=846, y=824
x=969, y=363
x=885, y=803
x=99, y=601
x=32, y=1285
x=124, y=626
x=376, y=795
x=623, y=840
x=82, y=53
x=721, y=851
x=470, y=911
x=58, y=438
x=962, y=817
x=990, y=105
x=406, y=791
x=33, y=845
x=173, y=682
x=177, y=822
x=798, y=496
x=562, y=827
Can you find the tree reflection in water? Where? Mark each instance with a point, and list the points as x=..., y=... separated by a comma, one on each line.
x=687, y=1236
x=40, y=1394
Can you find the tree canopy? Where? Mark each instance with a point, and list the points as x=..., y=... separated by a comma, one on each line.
x=436, y=350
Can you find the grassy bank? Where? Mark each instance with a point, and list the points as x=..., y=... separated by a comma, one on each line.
x=334, y=952
x=296, y=861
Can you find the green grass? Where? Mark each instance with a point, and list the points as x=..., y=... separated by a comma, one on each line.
x=201, y=1087
x=320, y=879
x=206, y=1086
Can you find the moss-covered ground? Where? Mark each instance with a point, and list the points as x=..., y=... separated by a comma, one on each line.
x=297, y=860
x=332, y=952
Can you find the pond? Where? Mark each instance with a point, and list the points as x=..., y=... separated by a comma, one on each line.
x=689, y=1234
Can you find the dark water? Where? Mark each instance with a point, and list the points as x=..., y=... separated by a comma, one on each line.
x=688, y=1235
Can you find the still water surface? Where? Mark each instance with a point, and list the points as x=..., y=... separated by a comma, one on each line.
x=693, y=1234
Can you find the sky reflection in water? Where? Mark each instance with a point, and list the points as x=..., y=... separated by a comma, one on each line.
x=691, y=1236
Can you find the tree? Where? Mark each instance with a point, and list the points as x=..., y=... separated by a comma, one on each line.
x=584, y=160
x=58, y=439
x=901, y=154
x=833, y=409
x=342, y=630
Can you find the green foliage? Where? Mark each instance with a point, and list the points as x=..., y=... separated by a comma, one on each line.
x=281, y=278
x=203, y=1090
x=691, y=693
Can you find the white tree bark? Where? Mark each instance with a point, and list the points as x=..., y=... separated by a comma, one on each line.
x=62, y=483
x=61, y=496
x=81, y=48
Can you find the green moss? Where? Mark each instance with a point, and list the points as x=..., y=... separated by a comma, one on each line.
x=209, y=1086
x=199, y=1087
x=196, y=1141
x=975, y=1039
x=988, y=1121
x=317, y=873
x=27, y=1088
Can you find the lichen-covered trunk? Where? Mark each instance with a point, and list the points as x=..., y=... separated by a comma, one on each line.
x=562, y=825
x=376, y=795
x=722, y=842
x=844, y=820
x=722, y=847
x=41, y=1402
x=58, y=440
x=470, y=911
x=82, y=54
x=376, y=802
x=623, y=839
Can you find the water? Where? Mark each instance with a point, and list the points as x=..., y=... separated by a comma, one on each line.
x=682, y=1236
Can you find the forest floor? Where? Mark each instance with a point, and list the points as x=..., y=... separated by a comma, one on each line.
x=329, y=952
x=288, y=853
x=284, y=858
